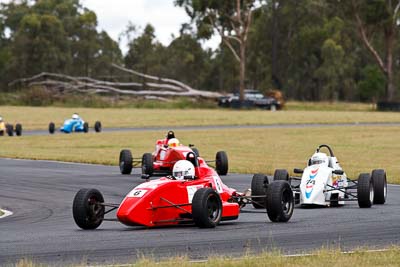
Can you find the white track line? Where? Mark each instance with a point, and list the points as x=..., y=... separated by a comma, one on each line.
x=6, y=213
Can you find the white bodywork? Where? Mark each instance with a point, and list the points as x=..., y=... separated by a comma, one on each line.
x=318, y=183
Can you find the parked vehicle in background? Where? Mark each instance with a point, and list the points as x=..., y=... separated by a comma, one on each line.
x=252, y=98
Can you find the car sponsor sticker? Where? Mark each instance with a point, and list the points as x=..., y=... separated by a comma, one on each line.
x=218, y=184
x=191, y=189
x=337, y=181
x=311, y=182
x=137, y=193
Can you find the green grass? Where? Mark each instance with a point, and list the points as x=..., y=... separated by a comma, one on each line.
x=330, y=106
x=39, y=117
x=359, y=149
x=323, y=257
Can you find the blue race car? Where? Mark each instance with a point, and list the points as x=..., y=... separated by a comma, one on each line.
x=76, y=124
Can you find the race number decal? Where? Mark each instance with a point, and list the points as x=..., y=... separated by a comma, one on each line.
x=218, y=184
x=191, y=190
x=137, y=193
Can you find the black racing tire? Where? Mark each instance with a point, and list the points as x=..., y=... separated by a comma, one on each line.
x=87, y=211
x=196, y=151
x=1, y=133
x=258, y=188
x=10, y=129
x=52, y=127
x=97, y=126
x=85, y=127
x=281, y=175
x=125, y=161
x=147, y=164
x=221, y=163
x=206, y=208
x=280, y=201
x=378, y=177
x=18, y=129
x=365, y=190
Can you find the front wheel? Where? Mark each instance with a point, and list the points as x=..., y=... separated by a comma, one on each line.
x=10, y=129
x=365, y=190
x=18, y=129
x=87, y=208
x=206, y=208
x=125, y=161
x=280, y=201
x=281, y=175
x=97, y=126
x=380, y=186
x=258, y=184
x=221, y=163
x=52, y=127
x=147, y=164
x=86, y=127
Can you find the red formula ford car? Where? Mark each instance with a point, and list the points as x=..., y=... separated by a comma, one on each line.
x=161, y=161
x=193, y=194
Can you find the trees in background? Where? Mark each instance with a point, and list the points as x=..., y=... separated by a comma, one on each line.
x=54, y=36
x=309, y=49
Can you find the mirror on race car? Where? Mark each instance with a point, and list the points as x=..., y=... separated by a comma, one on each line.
x=296, y=170
x=338, y=172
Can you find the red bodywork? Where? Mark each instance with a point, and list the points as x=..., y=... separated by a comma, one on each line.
x=165, y=157
x=166, y=201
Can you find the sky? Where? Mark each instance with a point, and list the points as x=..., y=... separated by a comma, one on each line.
x=113, y=16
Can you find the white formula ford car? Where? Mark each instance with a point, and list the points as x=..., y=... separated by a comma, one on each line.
x=324, y=183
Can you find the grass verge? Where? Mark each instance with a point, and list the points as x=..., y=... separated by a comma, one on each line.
x=39, y=117
x=323, y=257
x=359, y=149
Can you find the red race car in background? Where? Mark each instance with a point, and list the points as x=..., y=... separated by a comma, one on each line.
x=194, y=193
x=168, y=152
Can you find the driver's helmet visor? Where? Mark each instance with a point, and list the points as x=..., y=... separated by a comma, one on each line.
x=180, y=173
x=317, y=161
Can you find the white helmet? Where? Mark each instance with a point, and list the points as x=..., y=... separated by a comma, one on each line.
x=319, y=158
x=173, y=142
x=183, y=169
x=75, y=116
x=1, y=118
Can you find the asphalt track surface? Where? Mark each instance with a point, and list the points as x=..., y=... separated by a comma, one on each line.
x=221, y=127
x=40, y=195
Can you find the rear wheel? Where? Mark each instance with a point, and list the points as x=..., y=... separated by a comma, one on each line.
x=281, y=175
x=125, y=161
x=52, y=127
x=280, y=201
x=147, y=164
x=221, y=163
x=258, y=184
x=380, y=186
x=18, y=129
x=206, y=208
x=365, y=190
x=97, y=126
x=10, y=129
x=196, y=151
x=87, y=208
x=85, y=127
